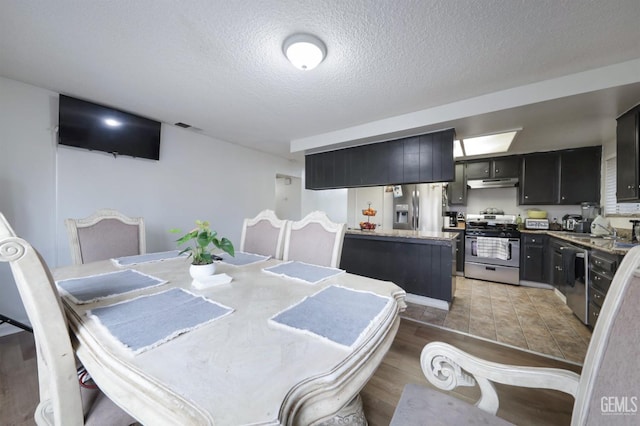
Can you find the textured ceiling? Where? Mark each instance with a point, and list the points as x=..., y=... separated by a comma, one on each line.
x=218, y=65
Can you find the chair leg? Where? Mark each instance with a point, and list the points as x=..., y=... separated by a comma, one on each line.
x=15, y=323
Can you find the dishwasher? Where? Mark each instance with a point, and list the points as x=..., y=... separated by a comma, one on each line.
x=575, y=266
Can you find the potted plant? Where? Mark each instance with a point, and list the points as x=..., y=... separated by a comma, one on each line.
x=204, y=240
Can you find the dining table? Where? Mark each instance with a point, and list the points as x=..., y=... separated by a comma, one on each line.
x=261, y=347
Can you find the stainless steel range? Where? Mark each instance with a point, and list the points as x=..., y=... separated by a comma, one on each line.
x=492, y=248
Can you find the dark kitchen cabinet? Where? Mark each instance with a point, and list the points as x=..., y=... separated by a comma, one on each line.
x=533, y=265
x=459, y=249
x=424, y=158
x=423, y=267
x=500, y=167
x=602, y=268
x=436, y=157
x=457, y=190
x=580, y=175
x=556, y=274
x=627, y=156
x=539, y=178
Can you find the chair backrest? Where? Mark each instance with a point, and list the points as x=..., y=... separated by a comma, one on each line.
x=264, y=234
x=104, y=235
x=610, y=375
x=315, y=239
x=60, y=398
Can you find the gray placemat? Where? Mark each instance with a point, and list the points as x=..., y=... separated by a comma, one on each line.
x=96, y=287
x=148, y=321
x=145, y=258
x=306, y=272
x=241, y=258
x=336, y=313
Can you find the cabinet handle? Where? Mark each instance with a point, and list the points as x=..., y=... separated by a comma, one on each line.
x=563, y=197
x=595, y=314
x=497, y=171
x=596, y=278
x=528, y=257
x=533, y=240
x=526, y=196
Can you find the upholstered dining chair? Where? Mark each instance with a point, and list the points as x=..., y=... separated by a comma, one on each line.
x=315, y=239
x=104, y=235
x=61, y=400
x=263, y=234
x=606, y=391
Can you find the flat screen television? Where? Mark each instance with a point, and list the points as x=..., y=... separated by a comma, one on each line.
x=97, y=127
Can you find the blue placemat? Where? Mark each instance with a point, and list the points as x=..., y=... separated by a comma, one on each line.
x=96, y=287
x=306, y=272
x=148, y=321
x=145, y=258
x=338, y=314
x=241, y=258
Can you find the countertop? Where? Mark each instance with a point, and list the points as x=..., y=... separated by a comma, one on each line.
x=605, y=244
x=401, y=233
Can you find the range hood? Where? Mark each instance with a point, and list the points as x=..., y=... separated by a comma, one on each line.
x=492, y=183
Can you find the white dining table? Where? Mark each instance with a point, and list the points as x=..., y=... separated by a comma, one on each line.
x=239, y=369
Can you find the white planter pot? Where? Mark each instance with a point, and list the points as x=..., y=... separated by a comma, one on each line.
x=199, y=271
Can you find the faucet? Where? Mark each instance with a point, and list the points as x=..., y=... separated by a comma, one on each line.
x=611, y=230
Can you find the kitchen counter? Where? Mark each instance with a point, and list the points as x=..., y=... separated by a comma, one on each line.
x=605, y=244
x=402, y=233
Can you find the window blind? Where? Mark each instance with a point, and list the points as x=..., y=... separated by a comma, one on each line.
x=611, y=206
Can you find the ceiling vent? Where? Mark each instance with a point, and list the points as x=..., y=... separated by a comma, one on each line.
x=183, y=125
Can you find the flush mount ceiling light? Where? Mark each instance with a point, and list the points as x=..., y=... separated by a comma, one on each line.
x=304, y=51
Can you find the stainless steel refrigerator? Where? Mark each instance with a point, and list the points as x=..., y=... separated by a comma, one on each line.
x=406, y=207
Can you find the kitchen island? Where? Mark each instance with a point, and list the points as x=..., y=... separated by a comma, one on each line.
x=423, y=263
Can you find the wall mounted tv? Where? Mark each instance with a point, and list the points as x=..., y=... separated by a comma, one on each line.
x=96, y=127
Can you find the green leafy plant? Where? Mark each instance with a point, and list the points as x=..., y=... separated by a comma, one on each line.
x=204, y=239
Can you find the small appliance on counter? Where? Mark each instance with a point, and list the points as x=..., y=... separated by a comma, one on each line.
x=530, y=223
x=450, y=220
x=569, y=221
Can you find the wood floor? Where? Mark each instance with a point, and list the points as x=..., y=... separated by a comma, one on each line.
x=19, y=386
x=517, y=405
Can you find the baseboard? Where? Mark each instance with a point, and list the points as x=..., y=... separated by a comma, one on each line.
x=536, y=285
x=427, y=301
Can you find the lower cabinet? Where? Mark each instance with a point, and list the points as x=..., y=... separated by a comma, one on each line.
x=459, y=249
x=533, y=265
x=424, y=267
x=602, y=268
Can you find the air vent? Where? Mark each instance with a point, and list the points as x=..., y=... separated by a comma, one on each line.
x=183, y=125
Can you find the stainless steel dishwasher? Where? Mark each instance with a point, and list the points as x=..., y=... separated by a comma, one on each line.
x=575, y=265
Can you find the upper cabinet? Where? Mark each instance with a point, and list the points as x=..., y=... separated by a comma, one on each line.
x=501, y=167
x=580, y=175
x=424, y=158
x=627, y=158
x=457, y=190
x=561, y=177
x=539, y=180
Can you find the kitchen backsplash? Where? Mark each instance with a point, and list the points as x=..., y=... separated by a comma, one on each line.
x=506, y=199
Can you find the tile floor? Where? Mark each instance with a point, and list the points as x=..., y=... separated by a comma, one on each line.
x=525, y=317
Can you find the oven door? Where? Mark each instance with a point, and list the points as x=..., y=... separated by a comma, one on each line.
x=513, y=252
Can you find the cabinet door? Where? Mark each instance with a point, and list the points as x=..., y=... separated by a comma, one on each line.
x=580, y=175
x=539, y=178
x=436, y=157
x=396, y=162
x=479, y=169
x=508, y=167
x=457, y=190
x=411, y=160
x=533, y=263
x=627, y=157
x=375, y=159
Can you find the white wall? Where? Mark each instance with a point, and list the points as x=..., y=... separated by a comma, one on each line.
x=197, y=177
x=288, y=196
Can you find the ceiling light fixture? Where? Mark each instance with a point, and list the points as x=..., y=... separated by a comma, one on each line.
x=486, y=144
x=304, y=51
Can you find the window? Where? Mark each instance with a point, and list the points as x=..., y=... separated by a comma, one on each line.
x=611, y=206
